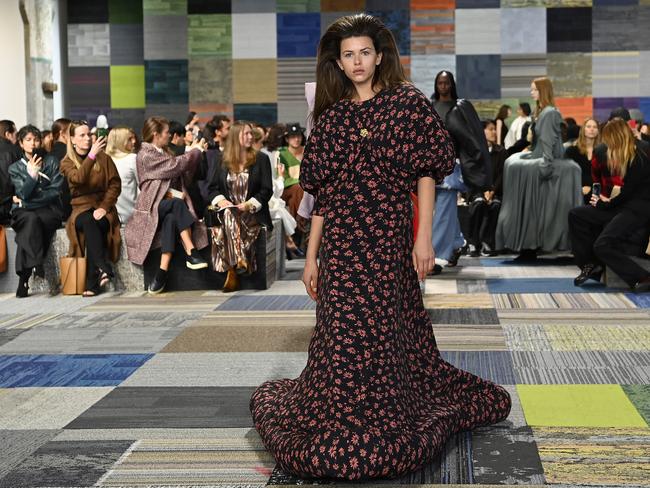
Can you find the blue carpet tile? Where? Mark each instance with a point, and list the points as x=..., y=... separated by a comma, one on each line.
x=545, y=285
x=642, y=300
x=542, y=261
x=496, y=366
x=268, y=302
x=18, y=371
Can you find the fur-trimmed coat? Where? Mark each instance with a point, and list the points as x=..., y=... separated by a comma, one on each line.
x=156, y=170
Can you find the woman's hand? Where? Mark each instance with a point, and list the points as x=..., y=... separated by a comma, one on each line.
x=99, y=214
x=310, y=277
x=488, y=195
x=98, y=146
x=586, y=190
x=423, y=256
x=280, y=169
x=594, y=199
x=202, y=145
x=224, y=203
x=16, y=200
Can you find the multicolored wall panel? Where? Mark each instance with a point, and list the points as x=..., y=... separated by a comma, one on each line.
x=250, y=59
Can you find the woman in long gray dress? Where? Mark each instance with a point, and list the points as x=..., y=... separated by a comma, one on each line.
x=539, y=187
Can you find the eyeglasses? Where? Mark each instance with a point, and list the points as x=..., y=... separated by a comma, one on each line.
x=80, y=122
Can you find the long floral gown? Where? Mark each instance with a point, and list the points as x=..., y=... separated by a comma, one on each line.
x=375, y=399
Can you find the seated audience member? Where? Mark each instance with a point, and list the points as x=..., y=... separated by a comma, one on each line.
x=600, y=232
x=582, y=153
x=258, y=138
x=163, y=206
x=277, y=206
x=58, y=152
x=539, y=186
x=121, y=148
x=484, y=210
x=36, y=213
x=505, y=111
x=192, y=125
x=177, y=135
x=221, y=124
x=515, y=131
x=290, y=158
x=94, y=225
x=9, y=154
x=242, y=188
x=572, y=132
x=644, y=132
x=48, y=141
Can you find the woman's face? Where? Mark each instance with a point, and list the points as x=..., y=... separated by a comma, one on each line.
x=534, y=92
x=130, y=143
x=644, y=129
x=81, y=139
x=246, y=137
x=591, y=129
x=189, y=137
x=294, y=141
x=161, y=139
x=520, y=112
x=443, y=85
x=509, y=113
x=491, y=133
x=30, y=143
x=358, y=59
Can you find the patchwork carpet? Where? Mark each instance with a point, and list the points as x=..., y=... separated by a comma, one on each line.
x=137, y=391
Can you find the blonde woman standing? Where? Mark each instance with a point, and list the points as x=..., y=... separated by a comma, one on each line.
x=121, y=147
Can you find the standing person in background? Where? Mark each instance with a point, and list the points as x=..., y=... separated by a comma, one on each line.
x=582, y=152
x=35, y=214
x=444, y=95
x=9, y=154
x=93, y=227
x=505, y=111
x=163, y=206
x=515, y=132
x=290, y=158
x=121, y=148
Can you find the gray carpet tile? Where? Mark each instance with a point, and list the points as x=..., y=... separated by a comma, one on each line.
x=6, y=336
x=44, y=303
x=160, y=433
x=21, y=321
x=68, y=463
x=16, y=445
x=91, y=341
x=581, y=367
x=472, y=286
x=506, y=456
x=463, y=316
x=138, y=319
x=45, y=407
x=217, y=369
x=169, y=408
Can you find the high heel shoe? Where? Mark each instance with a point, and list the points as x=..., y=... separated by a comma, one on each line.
x=23, y=287
x=232, y=282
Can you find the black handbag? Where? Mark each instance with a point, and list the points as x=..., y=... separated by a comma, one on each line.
x=213, y=217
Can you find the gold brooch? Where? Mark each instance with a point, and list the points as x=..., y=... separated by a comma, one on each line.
x=364, y=132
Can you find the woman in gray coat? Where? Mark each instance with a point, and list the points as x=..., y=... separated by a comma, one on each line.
x=539, y=187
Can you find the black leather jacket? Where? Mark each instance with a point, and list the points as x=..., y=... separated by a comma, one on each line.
x=464, y=126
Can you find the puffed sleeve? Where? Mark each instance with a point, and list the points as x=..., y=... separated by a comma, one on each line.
x=315, y=167
x=431, y=148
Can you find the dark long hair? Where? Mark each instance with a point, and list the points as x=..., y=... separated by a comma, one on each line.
x=331, y=82
x=452, y=82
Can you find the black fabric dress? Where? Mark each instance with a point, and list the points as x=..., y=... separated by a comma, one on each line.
x=375, y=399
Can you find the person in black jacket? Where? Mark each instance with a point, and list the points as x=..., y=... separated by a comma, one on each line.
x=177, y=146
x=484, y=208
x=241, y=188
x=58, y=152
x=36, y=213
x=9, y=154
x=601, y=233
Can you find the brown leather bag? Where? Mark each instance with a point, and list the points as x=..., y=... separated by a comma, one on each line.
x=73, y=275
x=3, y=250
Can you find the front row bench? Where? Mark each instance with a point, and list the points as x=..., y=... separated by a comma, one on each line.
x=129, y=277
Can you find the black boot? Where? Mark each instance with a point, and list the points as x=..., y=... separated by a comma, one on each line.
x=23, y=284
x=588, y=272
x=159, y=282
